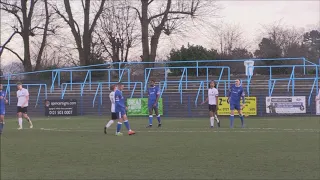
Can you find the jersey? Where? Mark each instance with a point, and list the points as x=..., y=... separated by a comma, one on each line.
x=113, y=102
x=318, y=96
x=22, y=97
x=2, y=102
x=119, y=102
x=153, y=93
x=212, y=96
x=235, y=94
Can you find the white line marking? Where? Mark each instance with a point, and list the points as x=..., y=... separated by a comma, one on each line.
x=190, y=131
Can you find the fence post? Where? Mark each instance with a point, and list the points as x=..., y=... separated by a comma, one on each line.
x=90, y=79
x=81, y=104
x=59, y=78
x=189, y=106
x=198, y=68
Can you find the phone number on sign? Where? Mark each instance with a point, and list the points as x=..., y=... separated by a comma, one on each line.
x=60, y=112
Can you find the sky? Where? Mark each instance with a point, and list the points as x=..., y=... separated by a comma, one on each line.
x=248, y=15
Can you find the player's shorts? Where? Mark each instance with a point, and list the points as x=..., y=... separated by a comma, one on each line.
x=212, y=108
x=23, y=110
x=235, y=106
x=150, y=105
x=2, y=112
x=121, y=114
x=113, y=115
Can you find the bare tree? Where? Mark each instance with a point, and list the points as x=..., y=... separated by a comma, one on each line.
x=31, y=21
x=117, y=32
x=228, y=37
x=283, y=36
x=170, y=15
x=83, y=40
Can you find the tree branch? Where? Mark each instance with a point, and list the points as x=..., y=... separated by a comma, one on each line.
x=150, y=2
x=14, y=53
x=14, y=6
x=138, y=12
x=97, y=16
x=15, y=14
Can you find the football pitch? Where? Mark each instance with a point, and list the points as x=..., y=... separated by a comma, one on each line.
x=77, y=148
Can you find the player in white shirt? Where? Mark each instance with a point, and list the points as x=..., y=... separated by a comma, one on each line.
x=212, y=99
x=113, y=108
x=23, y=102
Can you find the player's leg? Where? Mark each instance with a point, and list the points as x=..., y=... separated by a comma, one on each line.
x=156, y=110
x=150, y=116
x=25, y=115
x=110, y=122
x=127, y=124
x=1, y=122
x=19, y=114
x=241, y=116
x=215, y=116
x=232, y=107
x=211, y=118
x=120, y=120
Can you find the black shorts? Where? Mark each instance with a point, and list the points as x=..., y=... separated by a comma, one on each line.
x=212, y=108
x=113, y=116
x=23, y=110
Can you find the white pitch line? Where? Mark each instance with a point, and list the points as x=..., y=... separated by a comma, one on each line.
x=186, y=131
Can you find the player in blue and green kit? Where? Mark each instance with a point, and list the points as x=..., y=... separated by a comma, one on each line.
x=121, y=111
x=153, y=99
x=3, y=102
x=236, y=93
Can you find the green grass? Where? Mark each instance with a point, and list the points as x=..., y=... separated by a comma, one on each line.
x=76, y=148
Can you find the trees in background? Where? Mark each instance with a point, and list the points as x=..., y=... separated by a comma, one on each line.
x=117, y=33
x=82, y=38
x=32, y=19
x=158, y=17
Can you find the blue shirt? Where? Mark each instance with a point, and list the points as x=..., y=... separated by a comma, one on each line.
x=120, y=101
x=2, y=100
x=153, y=93
x=235, y=94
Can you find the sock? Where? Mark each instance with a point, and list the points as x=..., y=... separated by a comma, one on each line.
x=158, y=118
x=150, y=119
x=212, y=121
x=126, y=123
x=20, y=122
x=29, y=120
x=119, y=127
x=241, y=118
x=1, y=127
x=109, y=123
x=231, y=121
x=216, y=117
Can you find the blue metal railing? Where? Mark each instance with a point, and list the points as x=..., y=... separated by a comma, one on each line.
x=201, y=87
x=272, y=82
x=64, y=87
x=185, y=73
x=99, y=87
x=88, y=76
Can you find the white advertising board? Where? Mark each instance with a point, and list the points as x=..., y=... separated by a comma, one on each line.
x=286, y=105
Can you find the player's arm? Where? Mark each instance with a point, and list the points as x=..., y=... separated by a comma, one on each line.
x=243, y=98
x=5, y=98
x=27, y=99
x=205, y=100
x=118, y=97
x=217, y=99
x=158, y=96
x=229, y=95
